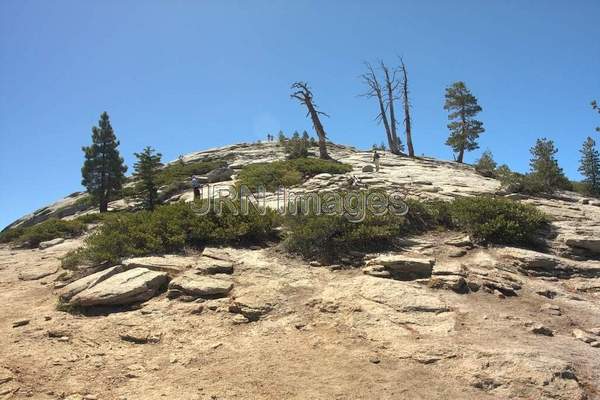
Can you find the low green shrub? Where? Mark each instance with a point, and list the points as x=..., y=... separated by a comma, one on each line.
x=50, y=229
x=269, y=175
x=531, y=184
x=314, y=166
x=91, y=218
x=11, y=235
x=179, y=171
x=287, y=173
x=497, y=220
x=427, y=215
x=170, y=229
x=329, y=237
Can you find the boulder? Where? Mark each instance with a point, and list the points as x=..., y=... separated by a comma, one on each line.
x=211, y=266
x=455, y=283
x=80, y=285
x=402, y=267
x=378, y=271
x=251, y=306
x=368, y=168
x=132, y=286
x=591, y=244
x=540, y=329
x=461, y=241
x=217, y=254
x=220, y=175
x=140, y=336
x=582, y=335
x=50, y=243
x=201, y=286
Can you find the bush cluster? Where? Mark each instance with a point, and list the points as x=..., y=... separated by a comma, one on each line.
x=531, y=184
x=287, y=173
x=497, y=220
x=486, y=219
x=180, y=171
x=50, y=229
x=328, y=237
x=170, y=229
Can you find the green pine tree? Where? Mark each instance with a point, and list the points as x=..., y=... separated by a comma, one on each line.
x=146, y=169
x=305, y=140
x=486, y=165
x=546, y=174
x=297, y=146
x=590, y=166
x=103, y=170
x=464, y=128
x=281, y=138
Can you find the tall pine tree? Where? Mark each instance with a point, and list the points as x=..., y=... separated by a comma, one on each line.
x=464, y=128
x=590, y=166
x=545, y=171
x=146, y=169
x=103, y=170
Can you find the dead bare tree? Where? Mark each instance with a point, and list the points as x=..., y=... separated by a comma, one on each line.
x=406, y=102
x=391, y=85
x=376, y=90
x=304, y=95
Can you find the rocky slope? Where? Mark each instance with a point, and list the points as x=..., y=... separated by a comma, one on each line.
x=441, y=319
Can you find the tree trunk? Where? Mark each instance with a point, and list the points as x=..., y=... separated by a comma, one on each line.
x=407, y=122
x=320, y=131
x=386, y=125
x=389, y=85
x=461, y=155
x=103, y=204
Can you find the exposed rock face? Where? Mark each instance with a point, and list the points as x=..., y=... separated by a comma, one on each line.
x=66, y=207
x=132, y=286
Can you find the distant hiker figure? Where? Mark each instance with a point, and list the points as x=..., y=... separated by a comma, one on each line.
x=196, y=186
x=376, y=157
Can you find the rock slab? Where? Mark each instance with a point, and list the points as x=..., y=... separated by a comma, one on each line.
x=132, y=286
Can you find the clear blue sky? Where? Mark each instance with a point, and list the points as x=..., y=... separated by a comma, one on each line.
x=187, y=75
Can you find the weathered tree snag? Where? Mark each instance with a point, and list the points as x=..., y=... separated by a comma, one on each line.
x=304, y=95
x=375, y=90
x=391, y=84
x=407, y=121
